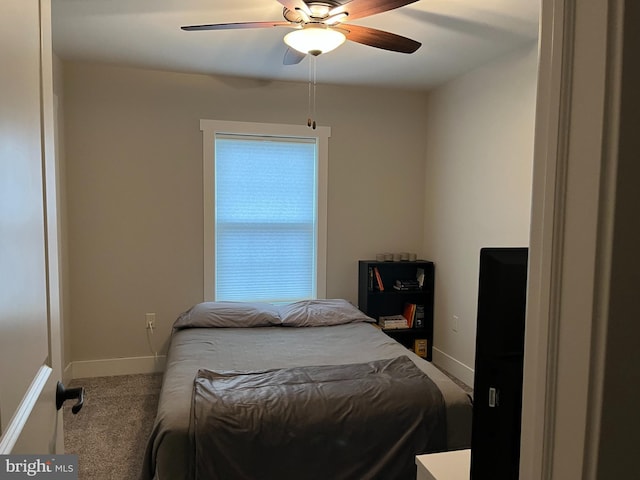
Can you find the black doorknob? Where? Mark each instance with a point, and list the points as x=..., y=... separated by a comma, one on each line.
x=63, y=394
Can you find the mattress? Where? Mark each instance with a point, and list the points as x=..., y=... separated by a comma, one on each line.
x=169, y=453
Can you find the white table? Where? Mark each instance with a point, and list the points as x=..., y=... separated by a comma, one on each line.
x=454, y=465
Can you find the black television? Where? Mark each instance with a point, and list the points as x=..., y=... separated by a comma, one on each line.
x=499, y=361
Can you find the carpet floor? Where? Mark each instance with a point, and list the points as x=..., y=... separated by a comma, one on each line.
x=109, y=434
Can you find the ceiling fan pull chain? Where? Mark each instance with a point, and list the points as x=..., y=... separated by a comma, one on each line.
x=315, y=59
x=309, y=99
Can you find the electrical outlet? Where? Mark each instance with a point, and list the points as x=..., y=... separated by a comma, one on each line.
x=150, y=320
x=454, y=323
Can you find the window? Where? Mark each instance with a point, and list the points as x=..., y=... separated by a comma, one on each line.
x=264, y=211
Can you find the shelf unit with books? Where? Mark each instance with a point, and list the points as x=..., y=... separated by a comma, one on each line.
x=393, y=289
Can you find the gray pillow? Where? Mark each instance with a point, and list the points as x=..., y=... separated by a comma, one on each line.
x=228, y=314
x=314, y=313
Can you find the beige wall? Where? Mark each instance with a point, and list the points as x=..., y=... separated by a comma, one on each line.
x=478, y=188
x=133, y=163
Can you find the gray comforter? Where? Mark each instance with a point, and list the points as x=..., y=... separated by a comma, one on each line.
x=355, y=421
x=170, y=448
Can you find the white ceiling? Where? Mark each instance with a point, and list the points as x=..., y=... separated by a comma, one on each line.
x=456, y=36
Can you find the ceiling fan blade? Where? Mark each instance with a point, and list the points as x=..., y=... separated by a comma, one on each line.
x=379, y=38
x=233, y=26
x=292, y=57
x=366, y=8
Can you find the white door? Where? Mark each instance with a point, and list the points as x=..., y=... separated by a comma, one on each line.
x=30, y=358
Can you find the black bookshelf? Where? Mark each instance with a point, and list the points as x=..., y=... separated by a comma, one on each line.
x=387, y=302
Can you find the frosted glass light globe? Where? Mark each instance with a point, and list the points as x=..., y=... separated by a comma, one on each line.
x=314, y=39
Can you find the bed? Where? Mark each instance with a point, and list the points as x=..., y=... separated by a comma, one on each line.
x=310, y=390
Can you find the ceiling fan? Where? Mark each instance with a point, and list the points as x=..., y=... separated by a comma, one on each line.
x=319, y=28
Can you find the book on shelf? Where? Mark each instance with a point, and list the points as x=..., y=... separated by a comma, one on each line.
x=392, y=322
x=414, y=313
x=418, y=319
x=420, y=347
x=406, y=285
x=378, y=278
x=409, y=313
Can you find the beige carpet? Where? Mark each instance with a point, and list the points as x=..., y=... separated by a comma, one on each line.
x=109, y=434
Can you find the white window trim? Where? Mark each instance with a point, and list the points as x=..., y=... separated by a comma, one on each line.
x=210, y=128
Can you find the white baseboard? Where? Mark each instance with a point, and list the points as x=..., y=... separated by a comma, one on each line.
x=453, y=366
x=117, y=366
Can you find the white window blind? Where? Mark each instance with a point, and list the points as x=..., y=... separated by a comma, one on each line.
x=265, y=211
x=265, y=218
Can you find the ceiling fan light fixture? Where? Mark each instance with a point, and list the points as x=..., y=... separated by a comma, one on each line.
x=314, y=39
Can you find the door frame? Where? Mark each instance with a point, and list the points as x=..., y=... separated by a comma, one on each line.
x=570, y=242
